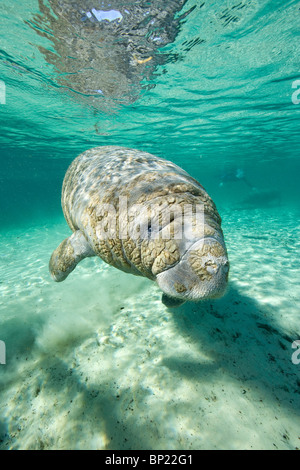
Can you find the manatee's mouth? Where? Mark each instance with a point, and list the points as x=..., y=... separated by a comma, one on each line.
x=180, y=291
x=201, y=273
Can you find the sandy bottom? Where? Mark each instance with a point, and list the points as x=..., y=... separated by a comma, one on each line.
x=98, y=362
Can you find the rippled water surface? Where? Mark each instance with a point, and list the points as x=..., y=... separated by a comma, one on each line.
x=98, y=361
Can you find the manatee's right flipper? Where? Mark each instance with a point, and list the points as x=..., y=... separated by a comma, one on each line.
x=68, y=254
x=171, y=302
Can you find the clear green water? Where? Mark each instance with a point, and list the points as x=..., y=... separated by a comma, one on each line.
x=98, y=362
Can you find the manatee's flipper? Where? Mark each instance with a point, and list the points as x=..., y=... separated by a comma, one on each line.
x=68, y=254
x=171, y=302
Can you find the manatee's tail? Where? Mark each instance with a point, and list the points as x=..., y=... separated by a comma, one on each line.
x=68, y=254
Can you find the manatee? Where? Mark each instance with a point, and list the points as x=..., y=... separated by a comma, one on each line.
x=146, y=216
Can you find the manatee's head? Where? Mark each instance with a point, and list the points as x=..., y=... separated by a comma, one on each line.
x=201, y=273
x=182, y=249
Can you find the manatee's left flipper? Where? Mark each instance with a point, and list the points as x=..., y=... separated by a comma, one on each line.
x=68, y=254
x=171, y=302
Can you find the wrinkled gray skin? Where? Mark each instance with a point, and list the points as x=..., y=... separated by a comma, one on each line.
x=160, y=241
x=104, y=55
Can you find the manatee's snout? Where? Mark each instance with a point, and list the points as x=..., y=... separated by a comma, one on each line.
x=202, y=272
x=208, y=260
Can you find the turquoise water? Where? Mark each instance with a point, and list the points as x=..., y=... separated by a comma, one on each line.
x=98, y=361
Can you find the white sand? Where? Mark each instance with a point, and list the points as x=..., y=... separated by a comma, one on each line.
x=97, y=362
